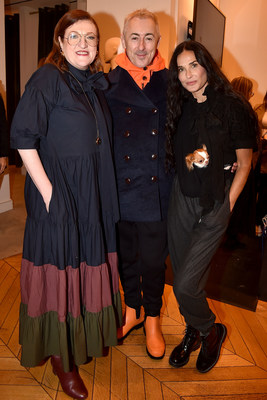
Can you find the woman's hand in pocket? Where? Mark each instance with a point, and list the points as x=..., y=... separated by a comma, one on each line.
x=47, y=197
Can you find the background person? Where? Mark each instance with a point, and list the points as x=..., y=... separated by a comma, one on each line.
x=261, y=206
x=70, y=302
x=242, y=220
x=203, y=109
x=243, y=86
x=137, y=100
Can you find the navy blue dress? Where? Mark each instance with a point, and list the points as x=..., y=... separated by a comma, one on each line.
x=70, y=301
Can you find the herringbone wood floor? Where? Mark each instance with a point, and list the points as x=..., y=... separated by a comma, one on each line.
x=127, y=372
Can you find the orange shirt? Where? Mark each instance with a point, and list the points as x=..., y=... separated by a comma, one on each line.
x=140, y=75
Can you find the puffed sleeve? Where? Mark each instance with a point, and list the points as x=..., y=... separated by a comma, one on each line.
x=242, y=126
x=31, y=117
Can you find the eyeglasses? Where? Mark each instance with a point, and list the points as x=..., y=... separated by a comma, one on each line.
x=74, y=38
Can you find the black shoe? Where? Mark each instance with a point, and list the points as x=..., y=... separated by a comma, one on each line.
x=181, y=353
x=211, y=347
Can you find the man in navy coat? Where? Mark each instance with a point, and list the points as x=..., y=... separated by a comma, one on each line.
x=137, y=100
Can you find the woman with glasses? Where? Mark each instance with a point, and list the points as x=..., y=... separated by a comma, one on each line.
x=70, y=303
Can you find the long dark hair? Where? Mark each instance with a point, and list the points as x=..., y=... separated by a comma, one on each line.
x=176, y=93
x=55, y=57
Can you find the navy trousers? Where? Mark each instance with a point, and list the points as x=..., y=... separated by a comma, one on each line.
x=142, y=254
x=193, y=240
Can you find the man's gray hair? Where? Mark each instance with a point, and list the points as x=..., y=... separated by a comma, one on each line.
x=142, y=13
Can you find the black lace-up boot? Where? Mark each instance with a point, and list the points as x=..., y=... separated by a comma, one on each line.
x=181, y=353
x=211, y=347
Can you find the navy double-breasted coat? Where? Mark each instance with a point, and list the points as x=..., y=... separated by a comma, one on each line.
x=139, y=145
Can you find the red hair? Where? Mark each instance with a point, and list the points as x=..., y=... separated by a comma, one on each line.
x=56, y=57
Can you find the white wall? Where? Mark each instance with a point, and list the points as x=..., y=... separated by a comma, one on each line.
x=110, y=15
x=185, y=14
x=81, y=5
x=245, y=50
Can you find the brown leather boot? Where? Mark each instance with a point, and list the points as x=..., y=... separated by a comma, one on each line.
x=155, y=344
x=130, y=322
x=71, y=382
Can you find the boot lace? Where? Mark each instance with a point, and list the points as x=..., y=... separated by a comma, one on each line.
x=190, y=336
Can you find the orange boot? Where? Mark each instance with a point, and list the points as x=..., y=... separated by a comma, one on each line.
x=130, y=322
x=155, y=344
x=71, y=382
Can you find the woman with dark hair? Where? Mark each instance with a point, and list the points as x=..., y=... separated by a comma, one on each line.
x=70, y=302
x=208, y=129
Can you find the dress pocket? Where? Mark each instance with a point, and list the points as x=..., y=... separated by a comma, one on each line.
x=51, y=201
